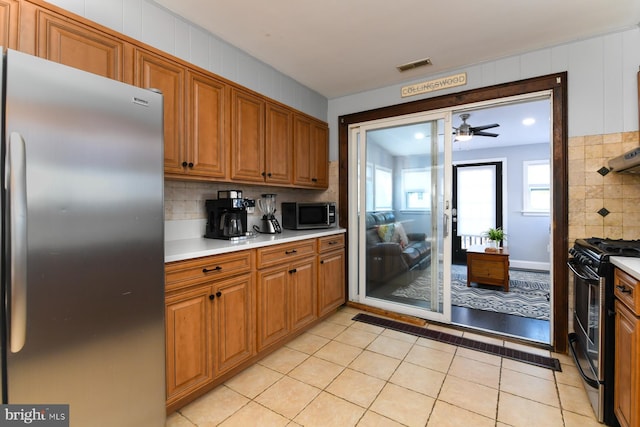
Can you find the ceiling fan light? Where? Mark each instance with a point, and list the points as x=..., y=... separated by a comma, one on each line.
x=463, y=133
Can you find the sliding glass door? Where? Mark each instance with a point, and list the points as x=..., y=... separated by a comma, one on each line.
x=402, y=215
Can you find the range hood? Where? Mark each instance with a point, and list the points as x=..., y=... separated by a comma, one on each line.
x=629, y=162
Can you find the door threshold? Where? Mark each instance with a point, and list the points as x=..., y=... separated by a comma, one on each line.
x=502, y=351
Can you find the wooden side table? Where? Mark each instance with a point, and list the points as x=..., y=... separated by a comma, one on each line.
x=488, y=266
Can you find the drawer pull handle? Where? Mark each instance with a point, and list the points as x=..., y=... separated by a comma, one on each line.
x=334, y=242
x=624, y=289
x=292, y=271
x=209, y=270
x=292, y=251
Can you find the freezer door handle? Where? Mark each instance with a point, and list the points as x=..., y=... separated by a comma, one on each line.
x=17, y=190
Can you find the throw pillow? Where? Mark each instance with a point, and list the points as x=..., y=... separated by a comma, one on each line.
x=385, y=231
x=400, y=235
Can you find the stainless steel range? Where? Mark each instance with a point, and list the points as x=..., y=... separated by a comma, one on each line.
x=592, y=342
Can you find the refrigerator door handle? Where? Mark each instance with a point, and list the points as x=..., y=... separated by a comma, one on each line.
x=17, y=189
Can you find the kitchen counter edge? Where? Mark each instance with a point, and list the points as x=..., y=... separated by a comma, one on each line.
x=629, y=265
x=184, y=249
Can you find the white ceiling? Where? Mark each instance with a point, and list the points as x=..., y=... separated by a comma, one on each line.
x=340, y=47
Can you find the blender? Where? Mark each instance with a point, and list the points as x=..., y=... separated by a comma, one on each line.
x=267, y=206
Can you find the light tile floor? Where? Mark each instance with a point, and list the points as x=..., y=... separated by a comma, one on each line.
x=345, y=373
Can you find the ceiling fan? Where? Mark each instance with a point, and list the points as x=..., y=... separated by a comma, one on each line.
x=465, y=132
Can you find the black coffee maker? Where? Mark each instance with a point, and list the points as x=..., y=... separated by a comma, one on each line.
x=226, y=219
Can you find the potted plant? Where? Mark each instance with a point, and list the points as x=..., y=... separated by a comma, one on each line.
x=495, y=236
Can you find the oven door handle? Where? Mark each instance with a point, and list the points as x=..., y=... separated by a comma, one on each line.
x=571, y=263
x=592, y=382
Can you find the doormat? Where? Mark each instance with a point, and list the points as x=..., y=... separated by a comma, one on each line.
x=509, y=353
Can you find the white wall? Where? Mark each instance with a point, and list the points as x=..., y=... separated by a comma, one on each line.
x=602, y=86
x=150, y=23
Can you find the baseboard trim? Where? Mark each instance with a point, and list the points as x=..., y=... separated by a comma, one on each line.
x=530, y=265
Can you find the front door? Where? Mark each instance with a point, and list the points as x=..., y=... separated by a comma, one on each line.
x=477, y=205
x=402, y=215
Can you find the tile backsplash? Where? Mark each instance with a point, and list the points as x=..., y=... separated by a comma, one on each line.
x=185, y=200
x=590, y=192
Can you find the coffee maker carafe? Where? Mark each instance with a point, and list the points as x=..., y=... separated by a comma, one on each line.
x=269, y=224
x=226, y=219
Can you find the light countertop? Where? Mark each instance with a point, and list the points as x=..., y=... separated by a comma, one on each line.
x=179, y=250
x=627, y=264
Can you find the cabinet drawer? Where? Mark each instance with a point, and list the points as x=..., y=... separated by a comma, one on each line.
x=285, y=252
x=626, y=290
x=488, y=269
x=185, y=273
x=330, y=243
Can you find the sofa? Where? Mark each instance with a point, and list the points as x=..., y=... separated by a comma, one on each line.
x=391, y=252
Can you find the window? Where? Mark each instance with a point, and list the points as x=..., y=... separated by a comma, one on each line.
x=415, y=185
x=537, y=188
x=383, y=191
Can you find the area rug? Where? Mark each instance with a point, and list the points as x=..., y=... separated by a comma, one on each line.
x=528, y=294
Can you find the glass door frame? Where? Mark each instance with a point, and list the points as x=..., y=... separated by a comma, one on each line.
x=356, y=189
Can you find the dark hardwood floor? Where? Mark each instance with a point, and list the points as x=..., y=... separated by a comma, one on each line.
x=517, y=326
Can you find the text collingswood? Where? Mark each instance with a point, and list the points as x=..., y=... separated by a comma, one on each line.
x=436, y=84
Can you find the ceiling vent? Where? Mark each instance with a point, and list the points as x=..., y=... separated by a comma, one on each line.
x=414, y=64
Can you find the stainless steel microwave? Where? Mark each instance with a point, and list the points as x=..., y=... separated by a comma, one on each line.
x=308, y=215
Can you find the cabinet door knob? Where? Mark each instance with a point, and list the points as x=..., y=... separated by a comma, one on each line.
x=184, y=164
x=212, y=297
x=322, y=262
x=263, y=174
x=314, y=179
x=269, y=174
x=218, y=294
x=191, y=164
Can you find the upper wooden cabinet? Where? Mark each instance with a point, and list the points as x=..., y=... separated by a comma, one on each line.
x=214, y=130
x=9, y=23
x=199, y=149
x=154, y=71
x=247, y=136
x=207, y=133
x=311, y=152
x=278, y=145
x=71, y=43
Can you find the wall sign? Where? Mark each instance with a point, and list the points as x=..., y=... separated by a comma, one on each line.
x=432, y=85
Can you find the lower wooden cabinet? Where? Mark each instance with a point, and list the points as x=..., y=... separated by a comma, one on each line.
x=331, y=273
x=286, y=299
x=626, y=395
x=625, y=398
x=226, y=311
x=189, y=352
x=232, y=322
x=209, y=330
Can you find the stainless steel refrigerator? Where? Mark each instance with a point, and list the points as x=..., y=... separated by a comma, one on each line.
x=82, y=232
